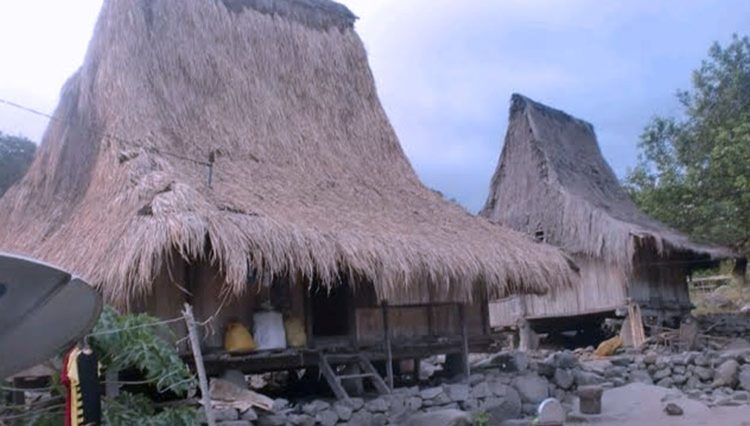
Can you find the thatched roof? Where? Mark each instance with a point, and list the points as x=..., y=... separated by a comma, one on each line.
x=308, y=178
x=553, y=179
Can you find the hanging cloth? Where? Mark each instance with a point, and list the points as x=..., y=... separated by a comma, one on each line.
x=80, y=376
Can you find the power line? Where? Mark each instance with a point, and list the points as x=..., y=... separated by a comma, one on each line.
x=104, y=134
x=118, y=330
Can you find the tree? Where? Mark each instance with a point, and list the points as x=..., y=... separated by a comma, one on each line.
x=693, y=171
x=16, y=153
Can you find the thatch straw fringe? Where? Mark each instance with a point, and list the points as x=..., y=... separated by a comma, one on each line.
x=552, y=178
x=309, y=179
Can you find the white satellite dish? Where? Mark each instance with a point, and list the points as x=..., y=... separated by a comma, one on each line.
x=43, y=311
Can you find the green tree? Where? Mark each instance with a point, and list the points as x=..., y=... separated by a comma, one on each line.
x=693, y=171
x=16, y=153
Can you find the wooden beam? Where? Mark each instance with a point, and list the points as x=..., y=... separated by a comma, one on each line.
x=388, y=349
x=330, y=376
x=198, y=355
x=352, y=314
x=465, y=338
x=308, y=317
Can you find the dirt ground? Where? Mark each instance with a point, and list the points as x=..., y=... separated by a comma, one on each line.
x=639, y=404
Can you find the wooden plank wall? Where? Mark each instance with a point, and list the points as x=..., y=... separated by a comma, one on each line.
x=411, y=322
x=601, y=287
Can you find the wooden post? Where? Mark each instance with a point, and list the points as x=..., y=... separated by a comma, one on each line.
x=309, y=317
x=389, y=352
x=111, y=387
x=202, y=379
x=465, y=339
x=740, y=271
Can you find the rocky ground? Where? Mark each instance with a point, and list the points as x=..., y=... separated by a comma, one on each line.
x=506, y=388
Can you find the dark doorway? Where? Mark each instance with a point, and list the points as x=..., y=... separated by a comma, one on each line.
x=330, y=311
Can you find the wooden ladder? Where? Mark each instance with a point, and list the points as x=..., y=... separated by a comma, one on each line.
x=327, y=362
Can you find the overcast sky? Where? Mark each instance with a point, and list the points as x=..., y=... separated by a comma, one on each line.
x=445, y=69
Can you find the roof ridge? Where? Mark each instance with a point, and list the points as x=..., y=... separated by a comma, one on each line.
x=519, y=102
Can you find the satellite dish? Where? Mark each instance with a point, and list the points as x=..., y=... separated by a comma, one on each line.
x=43, y=311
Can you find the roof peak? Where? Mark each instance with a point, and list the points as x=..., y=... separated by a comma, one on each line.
x=519, y=102
x=321, y=14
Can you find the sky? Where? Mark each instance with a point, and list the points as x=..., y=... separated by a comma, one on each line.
x=445, y=70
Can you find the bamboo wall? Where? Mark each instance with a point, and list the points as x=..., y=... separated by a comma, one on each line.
x=602, y=287
x=654, y=284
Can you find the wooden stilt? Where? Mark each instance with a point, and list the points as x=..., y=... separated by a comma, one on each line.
x=198, y=355
x=309, y=319
x=388, y=349
x=465, y=338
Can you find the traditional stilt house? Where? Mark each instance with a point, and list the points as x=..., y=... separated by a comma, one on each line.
x=553, y=183
x=233, y=154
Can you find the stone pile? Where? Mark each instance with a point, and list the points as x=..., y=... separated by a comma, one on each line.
x=508, y=387
x=726, y=325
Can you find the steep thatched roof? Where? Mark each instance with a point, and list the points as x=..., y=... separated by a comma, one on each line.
x=553, y=179
x=308, y=178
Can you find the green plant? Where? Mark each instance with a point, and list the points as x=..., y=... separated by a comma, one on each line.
x=133, y=341
x=482, y=418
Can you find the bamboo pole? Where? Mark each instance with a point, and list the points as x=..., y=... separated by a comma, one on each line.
x=196, y=347
x=389, y=351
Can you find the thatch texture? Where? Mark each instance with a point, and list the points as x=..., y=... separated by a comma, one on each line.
x=552, y=180
x=309, y=179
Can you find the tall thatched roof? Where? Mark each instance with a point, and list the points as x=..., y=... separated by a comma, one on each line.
x=553, y=180
x=307, y=177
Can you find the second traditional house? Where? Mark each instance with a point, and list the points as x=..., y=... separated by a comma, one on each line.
x=553, y=184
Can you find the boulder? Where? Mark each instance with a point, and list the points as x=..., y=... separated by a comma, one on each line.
x=315, y=407
x=377, y=405
x=301, y=420
x=586, y=378
x=744, y=377
x=457, y=392
x=355, y=404
x=726, y=374
x=650, y=358
x=641, y=376
x=481, y=390
x=440, y=418
x=666, y=382
x=249, y=415
x=673, y=409
x=564, y=378
x=664, y=372
x=344, y=411
x=546, y=368
x=703, y=373
x=361, y=417
x=327, y=418
x=531, y=388
x=566, y=359
x=413, y=403
x=430, y=393
x=272, y=420
x=223, y=414
x=503, y=408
